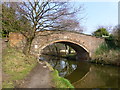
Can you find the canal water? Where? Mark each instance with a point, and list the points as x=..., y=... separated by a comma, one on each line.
x=85, y=75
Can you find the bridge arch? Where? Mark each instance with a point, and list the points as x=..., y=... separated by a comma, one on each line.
x=88, y=43
x=81, y=50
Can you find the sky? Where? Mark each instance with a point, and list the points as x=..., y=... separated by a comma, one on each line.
x=98, y=14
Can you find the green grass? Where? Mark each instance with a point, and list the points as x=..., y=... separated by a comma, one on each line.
x=60, y=82
x=70, y=56
x=8, y=84
x=16, y=65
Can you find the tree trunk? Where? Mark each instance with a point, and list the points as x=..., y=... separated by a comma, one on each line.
x=27, y=47
x=69, y=50
x=66, y=49
x=57, y=51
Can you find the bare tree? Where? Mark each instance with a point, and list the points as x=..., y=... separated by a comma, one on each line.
x=70, y=24
x=44, y=15
x=116, y=34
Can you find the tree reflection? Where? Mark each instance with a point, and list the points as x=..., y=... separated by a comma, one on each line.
x=65, y=67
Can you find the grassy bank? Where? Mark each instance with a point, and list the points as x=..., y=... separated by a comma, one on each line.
x=106, y=54
x=57, y=81
x=60, y=82
x=69, y=56
x=15, y=66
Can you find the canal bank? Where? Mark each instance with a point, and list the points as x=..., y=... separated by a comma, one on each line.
x=57, y=80
x=20, y=71
x=107, y=54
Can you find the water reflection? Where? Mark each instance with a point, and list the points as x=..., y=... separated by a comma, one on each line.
x=63, y=66
x=99, y=77
x=85, y=75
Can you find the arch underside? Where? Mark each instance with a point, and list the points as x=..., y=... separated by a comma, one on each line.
x=81, y=52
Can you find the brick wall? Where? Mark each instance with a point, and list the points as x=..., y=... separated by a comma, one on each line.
x=16, y=40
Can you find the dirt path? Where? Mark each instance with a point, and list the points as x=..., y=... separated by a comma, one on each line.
x=39, y=77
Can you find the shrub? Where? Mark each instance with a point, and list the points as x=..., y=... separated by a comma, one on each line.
x=102, y=48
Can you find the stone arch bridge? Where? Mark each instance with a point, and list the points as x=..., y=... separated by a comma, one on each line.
x=84, y=45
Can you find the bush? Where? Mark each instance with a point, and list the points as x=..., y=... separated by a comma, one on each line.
x=102, y=48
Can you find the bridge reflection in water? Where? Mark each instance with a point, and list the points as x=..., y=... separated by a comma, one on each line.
x=83, y=74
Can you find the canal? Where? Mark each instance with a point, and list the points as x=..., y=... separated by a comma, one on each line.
x=83, y=74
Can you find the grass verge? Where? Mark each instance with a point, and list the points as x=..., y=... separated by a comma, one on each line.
x=60, y=82
x=16, y=66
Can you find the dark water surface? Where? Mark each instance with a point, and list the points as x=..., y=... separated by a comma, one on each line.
x=85, y=75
